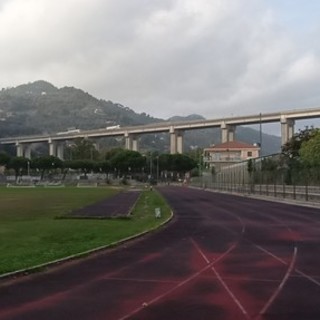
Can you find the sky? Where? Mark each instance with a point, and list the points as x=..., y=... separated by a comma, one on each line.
x=216, y=58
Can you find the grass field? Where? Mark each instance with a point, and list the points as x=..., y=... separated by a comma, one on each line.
x=30, y=235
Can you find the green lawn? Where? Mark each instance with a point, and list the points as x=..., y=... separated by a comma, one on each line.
x=31, y=235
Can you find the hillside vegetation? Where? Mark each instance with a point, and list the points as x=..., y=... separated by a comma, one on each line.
x=40, y=107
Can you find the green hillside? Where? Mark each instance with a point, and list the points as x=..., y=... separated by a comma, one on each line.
x=40, y=107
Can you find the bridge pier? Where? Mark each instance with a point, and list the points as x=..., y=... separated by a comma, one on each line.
x=52, y=148
x=27, y=151
x=287, y=129
x=56, y=149
x=180, y=141
x=19, y=148
x=176, y=140
x=23, y=150
x=135, y=144
x=131, y=141
x=227, y=132
x=60, y=151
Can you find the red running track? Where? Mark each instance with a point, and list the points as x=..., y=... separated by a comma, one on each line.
x=223, y=257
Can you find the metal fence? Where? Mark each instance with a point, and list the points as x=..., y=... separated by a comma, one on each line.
x=280, y=181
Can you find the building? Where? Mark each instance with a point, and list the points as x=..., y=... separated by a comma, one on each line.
x=228, y=153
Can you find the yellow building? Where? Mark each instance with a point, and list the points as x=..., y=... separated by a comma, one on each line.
x=227, y=153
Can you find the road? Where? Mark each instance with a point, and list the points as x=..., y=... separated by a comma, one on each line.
x=222, y=257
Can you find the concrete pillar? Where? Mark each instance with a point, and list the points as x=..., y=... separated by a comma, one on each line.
x=227, y=132
x=176, y=140
x=52, y=148
x=60, y=151
x=179, y=136
x=287, y=129
x=231, y=133
x=173, y=141
x=27, y=151
x=128, y=141
x=97, y=146
x=135, y=143
x=19, y=148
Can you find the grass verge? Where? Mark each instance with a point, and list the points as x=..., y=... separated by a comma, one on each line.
x=30, y=235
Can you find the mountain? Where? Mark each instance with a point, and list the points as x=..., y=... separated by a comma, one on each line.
x=187, y=118
x=49, y=109
x=40, y=107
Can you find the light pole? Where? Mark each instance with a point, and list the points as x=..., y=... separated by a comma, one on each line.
x=28, y=168
x=200, y=174
x=157, y=168
x=150, y=167
x=260, y=134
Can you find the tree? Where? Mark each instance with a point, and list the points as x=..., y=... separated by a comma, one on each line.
x=176, y=163
x=251, y=169
x=4, y=159
x=291, y=150
x=310, y=151
x=269, y=168
x=85, y=166
x=111, y=153
x=18, y=164
x=165, y=162
x=127, y=160
x=46, y=163
x=84, y=149
x=102, y=166
x=290, y=155
x=196, y=154
x=182, y=163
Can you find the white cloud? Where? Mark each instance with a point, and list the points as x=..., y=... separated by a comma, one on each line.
x=163, y=57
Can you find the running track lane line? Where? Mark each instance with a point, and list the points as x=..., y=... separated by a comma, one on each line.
x=180, y=284
x=284, y=280
x=156, y=299
x=225, y=286
x=289, y=270
x=310, y=278
x=313, y=280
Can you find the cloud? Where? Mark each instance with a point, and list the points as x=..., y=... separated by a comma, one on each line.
x=163, y=57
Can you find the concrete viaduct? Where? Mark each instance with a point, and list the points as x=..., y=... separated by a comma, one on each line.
x=175, y=129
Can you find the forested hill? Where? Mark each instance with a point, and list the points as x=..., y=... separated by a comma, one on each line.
x=40, y=107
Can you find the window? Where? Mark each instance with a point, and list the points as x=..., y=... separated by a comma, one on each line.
x=249, y=153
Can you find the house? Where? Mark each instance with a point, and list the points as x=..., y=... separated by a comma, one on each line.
x=228, y=153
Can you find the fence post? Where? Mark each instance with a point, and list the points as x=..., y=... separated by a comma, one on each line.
x=283, y=186
x=306, y=187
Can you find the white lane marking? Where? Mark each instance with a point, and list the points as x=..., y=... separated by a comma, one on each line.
x=284, y=280
x=200, y=251
x=234, y=298
x=225, y=286
x=208, y=266
x=269, y=253
x=310, y=278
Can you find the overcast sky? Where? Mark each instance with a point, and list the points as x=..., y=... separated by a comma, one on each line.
x=168, y=57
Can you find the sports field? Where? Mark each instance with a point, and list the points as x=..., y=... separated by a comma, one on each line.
x=31, y=234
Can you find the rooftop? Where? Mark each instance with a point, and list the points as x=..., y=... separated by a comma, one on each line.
x=234, y=145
